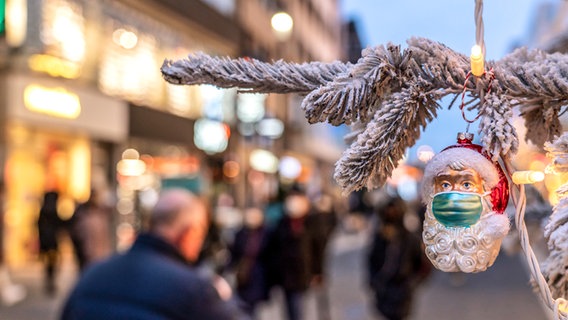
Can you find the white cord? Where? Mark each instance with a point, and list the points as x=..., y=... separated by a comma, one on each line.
x=479, y=29
x=520, y=202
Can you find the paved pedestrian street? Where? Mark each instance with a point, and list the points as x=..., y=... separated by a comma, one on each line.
x=502, y=292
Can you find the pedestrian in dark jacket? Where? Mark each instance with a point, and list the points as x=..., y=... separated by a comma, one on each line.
x=48, y=225
x=394, y=262
x=249, y=260
x=154, y=279
x=320, y=223
x=291, y=245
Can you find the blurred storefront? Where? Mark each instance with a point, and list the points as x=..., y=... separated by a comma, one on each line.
x=83, y=98
x=81, y=83
x=57, y=138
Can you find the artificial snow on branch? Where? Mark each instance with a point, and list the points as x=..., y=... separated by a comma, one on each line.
x=375, y=154
x=250, y=74
x=499, y=135
x=393, y=94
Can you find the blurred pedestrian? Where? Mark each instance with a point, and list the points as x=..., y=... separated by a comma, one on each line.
x=394, y=262
x=359, y=211
x=291, y=266
x=248, y=259
x=49, y=224
x=320, y=223
x=10, y=293
x=155, y=278
x=90, y=230
x=274, y=210
x=214, y=251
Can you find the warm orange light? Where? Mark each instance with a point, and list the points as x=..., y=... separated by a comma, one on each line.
x=477, y=61
x=124, y=38
x=80, y=170
x=231, y=169
x=227, y=130
x=131, y=165
x=282, y=22
x=527, y=177
x=57, y=102
x=54, y=66
x=16, y=22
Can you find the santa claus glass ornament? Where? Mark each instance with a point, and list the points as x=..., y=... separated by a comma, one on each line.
x=466, y=195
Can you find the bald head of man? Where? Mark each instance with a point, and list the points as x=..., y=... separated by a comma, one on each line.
x=180, y=218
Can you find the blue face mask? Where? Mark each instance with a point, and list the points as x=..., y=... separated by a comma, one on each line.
x=457, y=209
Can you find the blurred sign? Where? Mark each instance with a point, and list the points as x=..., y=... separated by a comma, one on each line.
x=175, y=166
x=54, y=66
x=2, y=16
x=90, y=111
x=57, y=102
x=192, y=184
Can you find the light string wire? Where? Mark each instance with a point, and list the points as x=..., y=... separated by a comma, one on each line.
x=520, y=201
x=479, y=29
x=519, y=195
x=479, y=40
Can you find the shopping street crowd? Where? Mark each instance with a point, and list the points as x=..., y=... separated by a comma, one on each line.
x=173, y=270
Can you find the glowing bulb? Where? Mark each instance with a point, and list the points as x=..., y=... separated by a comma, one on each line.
x=124, y=38
x=282, y=22
x=563, y=305
x=425, y=153
x=16, y=19
x=477, y=61
x=527, y=177
x=131, y=154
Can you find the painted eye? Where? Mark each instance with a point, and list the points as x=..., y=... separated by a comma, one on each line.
x=446, y=185
x=467, y=185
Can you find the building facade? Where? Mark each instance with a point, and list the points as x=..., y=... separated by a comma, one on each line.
x=81, y=83
x=316, y=35
x=84, y=106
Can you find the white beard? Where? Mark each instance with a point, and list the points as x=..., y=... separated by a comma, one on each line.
x=472, y=249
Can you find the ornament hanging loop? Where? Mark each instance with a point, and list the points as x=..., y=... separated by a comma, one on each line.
x=491, y=76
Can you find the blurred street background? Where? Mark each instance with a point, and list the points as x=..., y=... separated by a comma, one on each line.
x=500, y=293
x=86, y=114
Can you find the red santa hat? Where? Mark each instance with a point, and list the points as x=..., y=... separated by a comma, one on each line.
x=465, y=154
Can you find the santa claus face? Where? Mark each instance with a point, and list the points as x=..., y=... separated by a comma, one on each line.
x=457, y=231
x=457, y=201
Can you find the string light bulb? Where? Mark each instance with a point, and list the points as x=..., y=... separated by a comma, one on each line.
x=527, y=177
x=477, y=61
